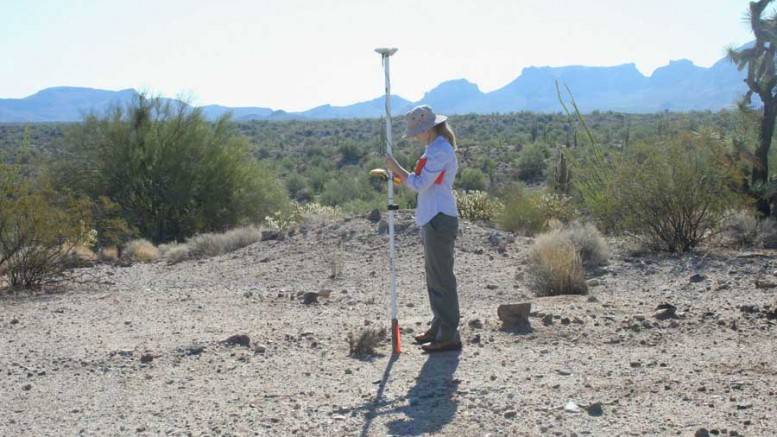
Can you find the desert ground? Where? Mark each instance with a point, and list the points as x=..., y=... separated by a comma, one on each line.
x=142, y=350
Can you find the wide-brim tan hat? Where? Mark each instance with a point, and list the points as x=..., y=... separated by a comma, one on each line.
x=421, y=119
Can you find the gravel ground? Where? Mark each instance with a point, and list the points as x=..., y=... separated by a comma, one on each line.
x=142, y=350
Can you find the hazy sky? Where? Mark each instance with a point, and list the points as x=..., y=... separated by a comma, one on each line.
x=297, y=54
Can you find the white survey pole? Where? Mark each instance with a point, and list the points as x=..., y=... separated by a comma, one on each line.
x=385, y=54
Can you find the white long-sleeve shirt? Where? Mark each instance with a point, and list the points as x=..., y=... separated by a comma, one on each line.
x=433, y=180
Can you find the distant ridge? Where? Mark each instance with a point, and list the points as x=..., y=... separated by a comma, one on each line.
x=678, y=86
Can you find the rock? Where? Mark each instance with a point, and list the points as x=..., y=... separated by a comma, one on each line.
x=260, y=349
x=697, y=278
x=270, y=235
x=547, y=319
x=475, y=339
x=383, y=227
x=564, y=372
x=238, y=340
x=14, y=321
x=27, y=387
x=665, y=311
x=514, y=314
x=510, y=414
x=310, y=297
x=492, y=286
x=595, y=409
x=572, y=407
x=146, y=358
x=701, y=432
x=565, y=321
x=475, y=324
x=374, y=216
x=194, y=350
x=635, y=364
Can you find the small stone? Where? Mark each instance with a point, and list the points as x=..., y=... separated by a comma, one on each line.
x=475, y=339
x=27, y=387
x=492, y=286
x=194, y=350
x=309, y=297
x=565, y=321
x=635, y=364
x=510, y=414
x=146, y=358
x=697, y=278
x=595, y=409
x=547, y=320
x=514, y=314
x=743, y=406
x=14, y=321
x=564, y=372
x=260, y=349
x=238, y=340
x=701, y=432
x=475, y=324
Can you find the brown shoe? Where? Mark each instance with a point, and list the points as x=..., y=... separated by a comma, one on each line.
x=452, y=345
x=424, y=338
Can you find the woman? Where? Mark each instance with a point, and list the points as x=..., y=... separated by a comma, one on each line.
x=437, y=216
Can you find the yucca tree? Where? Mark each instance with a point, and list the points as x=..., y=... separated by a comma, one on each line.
x=762, y=81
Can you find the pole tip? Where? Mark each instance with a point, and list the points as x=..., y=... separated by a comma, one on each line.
x=386, y=51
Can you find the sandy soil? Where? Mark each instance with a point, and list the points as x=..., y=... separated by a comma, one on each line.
x=140, y=350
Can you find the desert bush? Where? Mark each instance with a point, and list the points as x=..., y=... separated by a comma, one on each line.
x=532, y=212
x=170, y=171
x=364, y=343
x=40, y=235
x=672, y=198
x=555, y=266
x=140, y=250
x=477, y=206
x=309, y=213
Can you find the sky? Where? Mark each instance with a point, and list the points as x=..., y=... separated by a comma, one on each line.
x=298, y=54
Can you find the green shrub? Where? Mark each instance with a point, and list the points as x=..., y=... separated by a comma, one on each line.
x=673, y=197
x=477, y=206
x=532, y=212
x=555, y=266
x=471, y=179
x=41, y=236
x=532, y=162
x=170, y=171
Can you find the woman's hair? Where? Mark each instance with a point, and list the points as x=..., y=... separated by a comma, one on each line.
x=446, y=131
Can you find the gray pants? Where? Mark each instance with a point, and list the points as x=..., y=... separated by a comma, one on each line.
x=439, y=236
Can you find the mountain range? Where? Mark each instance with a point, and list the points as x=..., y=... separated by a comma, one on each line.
x=678, y=86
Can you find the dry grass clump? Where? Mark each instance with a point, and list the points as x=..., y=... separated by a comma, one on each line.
x=742, y=229
x=141, y=250
x=556, y=267
x=210, y=245
x=108, y=254
x=364, y=344
x=77, y=255
x=174, y=253
x=588, y=242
